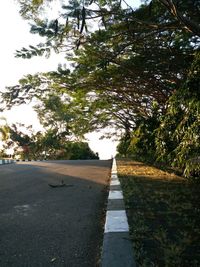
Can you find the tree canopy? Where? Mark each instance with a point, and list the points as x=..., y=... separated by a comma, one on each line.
x=125, y=61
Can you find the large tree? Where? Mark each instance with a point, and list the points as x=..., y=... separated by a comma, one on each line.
x=123, y=61
x=130, y=58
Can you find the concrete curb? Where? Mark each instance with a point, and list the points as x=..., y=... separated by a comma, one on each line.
x=6, y=161
x=30, y=160
x=117, y=249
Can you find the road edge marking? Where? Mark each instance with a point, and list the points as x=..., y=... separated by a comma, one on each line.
x=117, y=248
x=6, y=161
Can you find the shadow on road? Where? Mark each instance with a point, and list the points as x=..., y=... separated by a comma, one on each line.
x=45, y=226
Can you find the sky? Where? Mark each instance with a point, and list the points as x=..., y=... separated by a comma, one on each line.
x=15, y=35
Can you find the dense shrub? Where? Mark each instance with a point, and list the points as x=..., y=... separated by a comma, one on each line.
x=174, y=137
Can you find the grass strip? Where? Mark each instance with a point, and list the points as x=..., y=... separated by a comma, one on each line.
x=164, y=215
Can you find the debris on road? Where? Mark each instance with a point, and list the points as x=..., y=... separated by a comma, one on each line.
x=60, y=185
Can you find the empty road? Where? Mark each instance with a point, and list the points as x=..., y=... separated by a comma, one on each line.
x=41, y=225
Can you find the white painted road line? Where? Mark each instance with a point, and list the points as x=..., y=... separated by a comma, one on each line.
x=116, y=252
x=114, y=182
x=115, y=194
x=114, y=176
x=116, y=221
x=6, y=161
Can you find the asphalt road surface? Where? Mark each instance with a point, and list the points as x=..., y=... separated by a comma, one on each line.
x=44, y=226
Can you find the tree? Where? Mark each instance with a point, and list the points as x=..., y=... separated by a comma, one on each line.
x=178, y=136
x=50, y=144
x=4, y=129
x=4, y=136
x=130, y=60
x=20, y=140
x=79, y=150
x=187, y=17
x=115, y=54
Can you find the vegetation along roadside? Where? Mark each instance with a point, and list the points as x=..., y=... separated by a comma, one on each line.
x=163, y=214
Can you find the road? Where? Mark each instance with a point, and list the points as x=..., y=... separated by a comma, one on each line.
x=45, y=226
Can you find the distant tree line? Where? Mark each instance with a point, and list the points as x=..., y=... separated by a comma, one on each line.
x=49, y=145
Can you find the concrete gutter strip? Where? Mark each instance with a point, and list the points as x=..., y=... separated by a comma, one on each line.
x=117, y=249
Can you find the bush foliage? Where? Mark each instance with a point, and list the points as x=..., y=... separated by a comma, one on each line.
x=174, y=137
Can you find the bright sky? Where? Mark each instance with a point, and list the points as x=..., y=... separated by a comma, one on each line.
x=15, y=35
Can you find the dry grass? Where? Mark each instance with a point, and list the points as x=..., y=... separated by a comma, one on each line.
x=164, y=215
